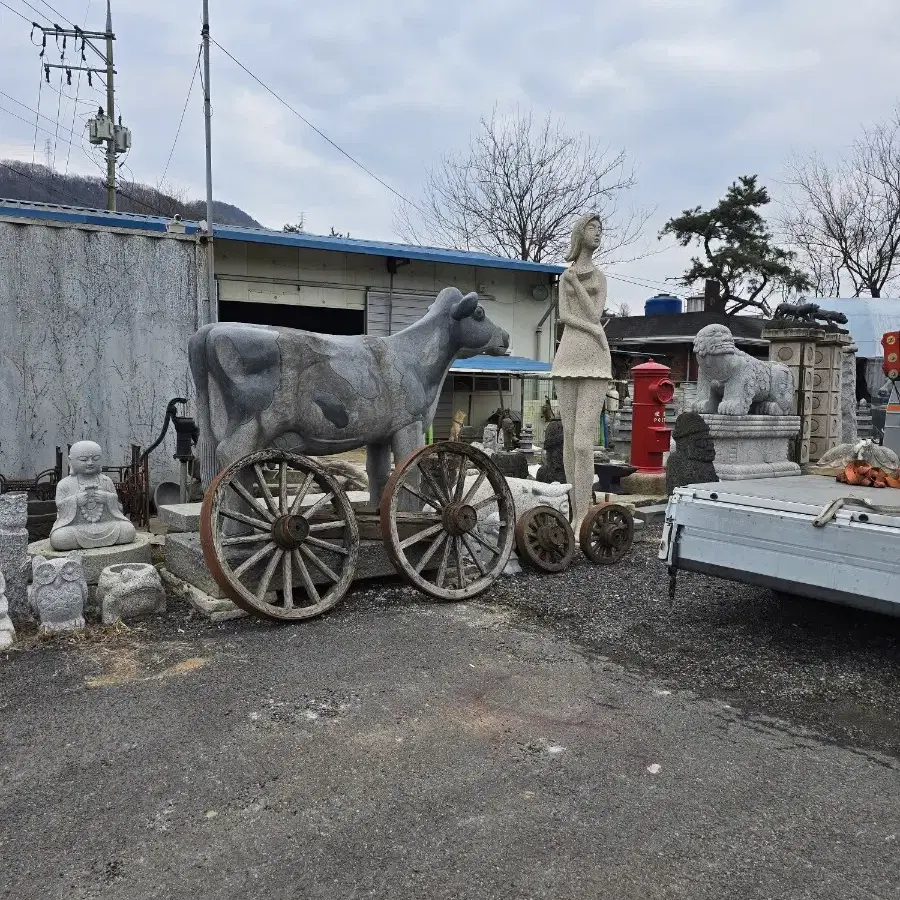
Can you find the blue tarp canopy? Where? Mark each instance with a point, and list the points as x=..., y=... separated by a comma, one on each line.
x=868, y=319
x=500, y=365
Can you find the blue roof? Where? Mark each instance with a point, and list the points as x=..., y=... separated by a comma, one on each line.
x=500, y=365
x=80, y=215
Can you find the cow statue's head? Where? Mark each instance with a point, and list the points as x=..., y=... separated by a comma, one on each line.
x=471, y=331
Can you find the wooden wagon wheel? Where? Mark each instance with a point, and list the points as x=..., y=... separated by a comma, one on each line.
x=462, y=538
x=545, y=539
x=606, y=533
x=268, y=538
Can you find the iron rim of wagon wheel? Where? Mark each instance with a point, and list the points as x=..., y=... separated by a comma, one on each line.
x=606, y=533
x=288, y=538
x=434, y=479
x=545, y=539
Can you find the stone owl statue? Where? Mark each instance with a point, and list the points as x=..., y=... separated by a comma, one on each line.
x=58, y=592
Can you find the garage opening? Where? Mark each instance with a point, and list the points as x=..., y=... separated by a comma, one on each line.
x=322, y=319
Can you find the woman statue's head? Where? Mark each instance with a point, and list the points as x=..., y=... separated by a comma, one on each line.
x=585, y=236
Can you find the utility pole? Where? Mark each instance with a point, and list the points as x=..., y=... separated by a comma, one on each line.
x=102, y=128
x=110, y=112
x=207, y=116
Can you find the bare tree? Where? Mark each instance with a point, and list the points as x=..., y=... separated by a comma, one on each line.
x=844, y=219
x=516, y=190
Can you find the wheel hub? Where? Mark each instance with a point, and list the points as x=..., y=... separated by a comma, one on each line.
x=459, y=519
x=551, y=538
x=612, y=535
x=289, y=531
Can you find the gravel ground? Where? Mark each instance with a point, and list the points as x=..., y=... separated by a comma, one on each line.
x=832, y=669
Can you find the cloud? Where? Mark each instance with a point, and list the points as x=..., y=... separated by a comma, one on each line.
x=697, y=91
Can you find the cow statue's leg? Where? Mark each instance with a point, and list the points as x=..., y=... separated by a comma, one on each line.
x=243, y=441
x=403, y=443
x=378, y=467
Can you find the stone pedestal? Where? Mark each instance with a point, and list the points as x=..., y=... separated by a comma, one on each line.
x=796, y=349
x=753, y=446
x=14, y=560
x=825, y=431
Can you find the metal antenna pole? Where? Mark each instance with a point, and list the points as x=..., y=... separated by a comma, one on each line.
x=110, y=111
x=207, y=114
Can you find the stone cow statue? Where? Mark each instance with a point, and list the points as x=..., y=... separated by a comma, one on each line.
x=260, y=386
x=733, y=383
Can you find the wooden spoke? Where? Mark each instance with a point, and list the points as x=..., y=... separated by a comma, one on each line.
x=421, y=535
x=460, y=575
x=282, y=488
x=252, y=560
x=327, y=545
x=264, y=488
x=311, y=590
x=435, y=506
x=266, y=579
x=479, y=481
x=287, y=581
x=461, y=480
x=246, y=539
x=429, y=553
x=481, y=504
x=325, y=498
x=251, y=501
x=301, y=494
x=474, y=554
x=442, y=571
x=486, y=544
x=438, y=491
x=322, y=567
x=273, y=552
x=326, y=526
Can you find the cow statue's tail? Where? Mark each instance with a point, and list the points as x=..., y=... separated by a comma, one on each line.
x=198, y=359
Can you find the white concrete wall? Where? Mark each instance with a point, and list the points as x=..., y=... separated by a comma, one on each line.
x=94, y=326
x=295, y=276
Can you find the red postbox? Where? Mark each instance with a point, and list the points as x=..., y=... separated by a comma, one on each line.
x=649, y=433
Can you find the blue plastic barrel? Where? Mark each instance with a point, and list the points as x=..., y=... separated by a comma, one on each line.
x=662, y=304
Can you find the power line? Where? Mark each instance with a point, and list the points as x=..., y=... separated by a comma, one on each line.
x=38, y=112
x=77, y=90
x=321, y=134
x=16, y=12
x=187, y=100
x=30, y=109
x=43, y=3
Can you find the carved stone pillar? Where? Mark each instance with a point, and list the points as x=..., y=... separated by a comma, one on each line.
x=796, y=349
x=826, y=403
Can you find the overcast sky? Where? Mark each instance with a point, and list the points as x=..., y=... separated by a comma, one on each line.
x=697, y=92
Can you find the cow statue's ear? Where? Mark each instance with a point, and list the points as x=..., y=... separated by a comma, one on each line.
x=466, y=307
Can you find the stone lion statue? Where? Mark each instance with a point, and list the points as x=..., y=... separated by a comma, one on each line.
x=733, y=383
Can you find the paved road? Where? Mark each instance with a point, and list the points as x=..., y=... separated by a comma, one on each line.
x=568, y=736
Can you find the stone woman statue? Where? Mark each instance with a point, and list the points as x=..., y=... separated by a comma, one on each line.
x=582, y=368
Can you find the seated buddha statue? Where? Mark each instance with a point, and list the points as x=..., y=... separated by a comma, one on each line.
x=88, y=513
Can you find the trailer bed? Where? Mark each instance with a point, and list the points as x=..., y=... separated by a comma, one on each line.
x=761, y=532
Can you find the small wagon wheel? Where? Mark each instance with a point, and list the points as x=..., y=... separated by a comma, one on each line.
x=606, y=533
x=430, y=516
x=545, y=538
x=279, y=536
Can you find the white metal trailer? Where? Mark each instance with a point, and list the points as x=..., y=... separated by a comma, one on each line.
x=805, y=534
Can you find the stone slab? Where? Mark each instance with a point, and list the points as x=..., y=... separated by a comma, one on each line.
x=95, y=561
x=180, y=517
x=184, y=559
x=753, y=446
x=216, y=609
